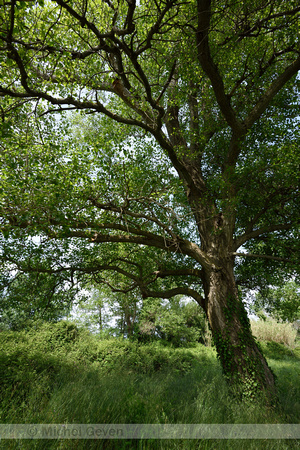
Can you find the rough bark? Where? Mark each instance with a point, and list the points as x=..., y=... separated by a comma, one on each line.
x=242, y=361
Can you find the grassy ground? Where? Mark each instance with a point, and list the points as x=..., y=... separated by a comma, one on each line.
x=58, y=374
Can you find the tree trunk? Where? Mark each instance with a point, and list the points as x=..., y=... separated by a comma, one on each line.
x=243, y=363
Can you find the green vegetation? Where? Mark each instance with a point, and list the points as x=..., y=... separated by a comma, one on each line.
x=282, y=303
x=59, y=373
x=271, y=330
x=179, y=322
x=152, y=147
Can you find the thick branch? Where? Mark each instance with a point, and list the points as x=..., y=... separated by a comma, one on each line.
x=272, y=258
x=27, y=268
x=182, y=246
x=123, y=211
x=268, y=96
x=282, y=196
x=138, y=282
x=86, y=23
x=260, y=24
x=178, y=165
x=194, y=121
x=210, y=68
x=84, y=105
x=155, y=28
x=178, y=272
x=176, y=291
x=263, y=230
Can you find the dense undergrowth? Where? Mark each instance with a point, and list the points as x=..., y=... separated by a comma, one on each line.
x=61, y=374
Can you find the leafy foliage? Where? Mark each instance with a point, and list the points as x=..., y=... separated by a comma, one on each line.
x=187, y=167
x=176, y=322
x=281, y=303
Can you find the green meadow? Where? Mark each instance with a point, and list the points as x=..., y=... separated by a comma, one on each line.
x=63, y=374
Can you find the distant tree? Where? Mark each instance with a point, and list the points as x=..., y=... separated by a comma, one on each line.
x=282, y=303
x=89, y=311
x=176, y=322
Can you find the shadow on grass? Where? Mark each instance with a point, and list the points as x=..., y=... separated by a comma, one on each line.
x=275, y=350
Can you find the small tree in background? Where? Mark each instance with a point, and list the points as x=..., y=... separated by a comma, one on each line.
x=177, y=322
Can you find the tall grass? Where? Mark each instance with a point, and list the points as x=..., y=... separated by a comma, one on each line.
x=272, y=331
x=58, y=374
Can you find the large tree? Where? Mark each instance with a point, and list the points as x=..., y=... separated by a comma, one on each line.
x=204, y=96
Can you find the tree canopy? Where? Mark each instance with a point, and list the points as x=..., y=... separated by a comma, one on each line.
x=179, y=174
